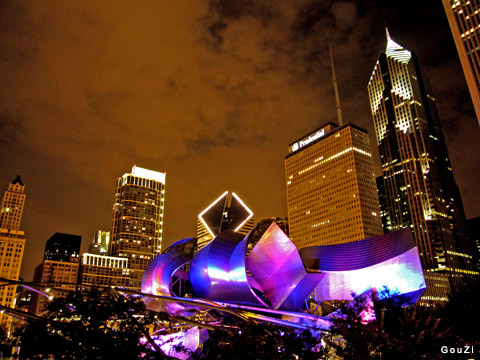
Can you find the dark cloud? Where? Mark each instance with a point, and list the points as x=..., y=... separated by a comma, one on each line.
x=10, y=129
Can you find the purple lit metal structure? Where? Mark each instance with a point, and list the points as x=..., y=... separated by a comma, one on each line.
x=264, y=270
x=389, y=260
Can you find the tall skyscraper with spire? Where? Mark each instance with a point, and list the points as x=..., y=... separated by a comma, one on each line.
x=420, y=189
x=464, y=19
x=12, y=243
x=137, y=220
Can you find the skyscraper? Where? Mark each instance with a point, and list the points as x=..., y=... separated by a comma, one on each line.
x=100, y=243
x=331, y=192
x=12, y=242
x=473, y=227
x=227, y=212
x=464, y=19
x=104, y=270
x=382, y=198
x=137, y=220
x=59, y=266
x=62, y=247
x=98, y=268
x=420, y=189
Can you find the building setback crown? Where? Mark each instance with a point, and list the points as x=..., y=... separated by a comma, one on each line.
x=397, y=51
x=17, y=180
x=147, y=174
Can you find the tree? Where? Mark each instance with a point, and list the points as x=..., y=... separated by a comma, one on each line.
x=89, y=325
x=249, y=340
x=398, y=332
x=463, y=311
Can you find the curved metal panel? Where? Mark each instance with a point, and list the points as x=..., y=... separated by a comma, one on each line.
x=157, y=276
x=276, y=265
x=274, y=270
x=390, y=260
x=217, y=271
x=358, y=254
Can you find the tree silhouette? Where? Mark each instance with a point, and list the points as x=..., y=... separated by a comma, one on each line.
x=89, y=325
x=249, y=340
x=398, y=332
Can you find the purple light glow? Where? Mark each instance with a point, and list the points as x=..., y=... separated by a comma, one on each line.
x=189, y=340
x=276, y=270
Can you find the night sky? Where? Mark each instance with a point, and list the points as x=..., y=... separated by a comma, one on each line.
x=210, y=92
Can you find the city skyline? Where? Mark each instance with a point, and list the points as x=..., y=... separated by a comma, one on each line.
x=89, y=91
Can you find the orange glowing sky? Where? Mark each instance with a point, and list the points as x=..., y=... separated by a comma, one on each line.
x=211, y=92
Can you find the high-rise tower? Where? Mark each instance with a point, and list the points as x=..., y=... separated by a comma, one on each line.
x=464, y=19
x=100, y=243
x=227, y=212
x=100, y=269
x=137, y=220
x=421, y=192
x=12, y=205
x=331, y=192
x=59, y=267
x=62, y=247
x=12, y=242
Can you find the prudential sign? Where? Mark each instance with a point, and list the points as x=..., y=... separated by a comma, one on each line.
x=304, y=142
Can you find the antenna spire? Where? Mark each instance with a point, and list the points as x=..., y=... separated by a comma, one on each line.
x=388, y=34
x=335, y=88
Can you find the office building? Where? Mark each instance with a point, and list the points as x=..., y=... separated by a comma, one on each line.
x=12, y=243
x=61, y=275
x=331, y=192
x=98, y=268
x=227, y=212
x=137, y=220
x=100, y=243
x=464, y=19
x=12, y=205
x=419, y=185
x=62, y=247
x=59, y=267
x=382, y=198
x=103, y=270
x=473, y=227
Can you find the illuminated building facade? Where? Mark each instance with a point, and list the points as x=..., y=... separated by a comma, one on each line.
x=12, y=242
x=100, y=243
x=98, y=268
x=227, y=212
x=420, y=189
x=137, y=220
x=473, y=226
x=12, y=205
x=56, y=273
x=382, y=198
x=103, y=270
x=464, y=19
x=331, y=192
x=59, y=266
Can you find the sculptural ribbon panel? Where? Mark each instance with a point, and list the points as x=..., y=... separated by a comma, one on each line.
x=385, y=261
x=274, y=274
